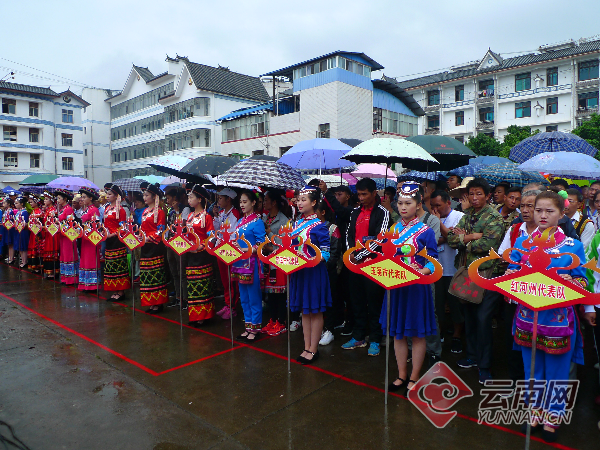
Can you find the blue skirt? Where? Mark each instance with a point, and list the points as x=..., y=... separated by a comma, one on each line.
x=412, y=312
x=21, y=242
x=309, y=290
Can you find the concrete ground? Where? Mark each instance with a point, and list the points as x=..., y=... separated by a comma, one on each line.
x=81, y=373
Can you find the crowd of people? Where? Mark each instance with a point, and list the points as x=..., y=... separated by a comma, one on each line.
x=457, y=221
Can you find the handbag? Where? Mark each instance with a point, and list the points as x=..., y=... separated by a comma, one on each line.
x=462, y=287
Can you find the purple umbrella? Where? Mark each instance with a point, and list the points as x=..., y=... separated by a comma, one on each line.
x=71, y=183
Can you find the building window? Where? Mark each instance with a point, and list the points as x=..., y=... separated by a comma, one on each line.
x=588, y=70
x=11, y=159
x=433, y=98
x=245, y=127
x=143, y=101
x=393, y=122
x=522, y=109
x=67, y=140
x=67, y=163
x=67, y=116
x=85, y=152
x=34, y=109
x=486, y=88
x=459, y=118
x=551, y=128
x=10, y=133
x=523, y=81
x=258, y=152
x=9, y=106
x=331, y=63
x=459, y=93
x=433, y=121
x=324, y=130
x=34, y=161
x=486, y=115
x=552, y=76
x=552, y=105
x=460, y=139
x=586, y=100
x=193, y=107
x=34, y=135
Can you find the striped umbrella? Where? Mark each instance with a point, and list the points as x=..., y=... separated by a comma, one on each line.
x=264, y=174
x=552, y=141
x=510, y=173
x=129, y=184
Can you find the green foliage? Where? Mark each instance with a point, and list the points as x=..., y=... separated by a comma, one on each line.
x=515, y=135
x=590, y=131
x=483, y=145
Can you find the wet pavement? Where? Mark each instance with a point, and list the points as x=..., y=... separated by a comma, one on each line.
x=81, y=373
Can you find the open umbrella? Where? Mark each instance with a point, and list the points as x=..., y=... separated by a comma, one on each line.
x=152, y=179
x=211, y=164
x=171, y=180
x=373, y=171
x=265, y=174
x=129, y=184
x=489, y=160
x=565, y=164
x=448, y=151
x=388, y=151
x=467, y=171
x=9, y=190
x=37, y=190
x=330, y=180
x=38, y=179
x=71, y=183
x=552, y=141
x=510, y=173
x=170, y=164
x=317, y=153
x=422, y=176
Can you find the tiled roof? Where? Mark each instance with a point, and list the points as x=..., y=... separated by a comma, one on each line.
x=509, y=63
x=144, y=73
x=160, y=75
x=224, y=81
x=77, y=97
x=27, y=88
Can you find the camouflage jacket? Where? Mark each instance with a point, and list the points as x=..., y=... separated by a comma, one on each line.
x=487, y=221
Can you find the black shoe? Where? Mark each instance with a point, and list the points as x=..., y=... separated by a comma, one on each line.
x=242, y=337
x=397, y=387
x=549, y=436
x=155, y=311
x=533, y=428
x=172, y=303
x=310, y=361
x=456, y=346
x=346, y=330
x=117, y=298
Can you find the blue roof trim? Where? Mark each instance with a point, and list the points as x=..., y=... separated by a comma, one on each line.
x=247, y=111
x=289, y=69
x=331, y=75
x=385, y=100
x=40, y=147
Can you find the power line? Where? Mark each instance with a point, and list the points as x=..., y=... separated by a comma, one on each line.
x=48, y=73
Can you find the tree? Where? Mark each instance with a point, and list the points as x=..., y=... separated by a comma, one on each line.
x=515, y=135
x=483, y=145
x=590, y=131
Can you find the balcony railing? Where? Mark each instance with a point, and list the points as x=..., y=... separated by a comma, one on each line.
x=432, y=130
x=485, y=125
x=485, y=97
x=587, y=83
x=585, y=112
x=431, y=108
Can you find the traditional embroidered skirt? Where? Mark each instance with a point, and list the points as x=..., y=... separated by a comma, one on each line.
x=34, y=251
x=200, y=286
x=275, y=280
x=153, y=279
x=89, y=269
x=69, y=261
x=50, y=253
x=116, y=269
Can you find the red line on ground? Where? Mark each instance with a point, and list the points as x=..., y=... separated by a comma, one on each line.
x=199, y=360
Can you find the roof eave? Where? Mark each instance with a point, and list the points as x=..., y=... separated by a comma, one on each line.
x=400, y=94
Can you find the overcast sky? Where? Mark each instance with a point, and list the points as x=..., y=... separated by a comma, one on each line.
x=95, y=42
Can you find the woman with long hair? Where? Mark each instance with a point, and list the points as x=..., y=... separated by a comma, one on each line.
x=90, y=253
x=199, y=270
x=11, y=232
x=36, y=241
x=153, y=279
x=247, y=272
x=116, y=273
x=22, y=237
x=69, y=258
x=50, y=256
x=310, y=292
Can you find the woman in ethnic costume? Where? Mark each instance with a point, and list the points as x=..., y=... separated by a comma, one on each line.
x=116, y=272
x=8, y=233
x=153, y=279
x=199, y=271
x=51, y=243
x=310, y=292
x=90, y=253
x=21, y=242
x=69, y=258
x=248, y=271
x=36, y=241
x=412, y=311
x=559, y=339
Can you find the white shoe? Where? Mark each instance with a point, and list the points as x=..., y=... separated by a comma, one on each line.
x=295, y=325
x=326, y=338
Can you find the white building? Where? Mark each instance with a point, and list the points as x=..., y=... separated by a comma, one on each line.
x=41, y=133
x=96, y=135
x=174, y=112
x=552, y=89
x=331, y=96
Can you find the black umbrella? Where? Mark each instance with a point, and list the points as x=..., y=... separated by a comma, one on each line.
x=212, y=165
x=449, y=152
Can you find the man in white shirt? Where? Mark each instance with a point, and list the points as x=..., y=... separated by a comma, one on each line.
x=442, y=208
x=584, y=227
x=591, y=208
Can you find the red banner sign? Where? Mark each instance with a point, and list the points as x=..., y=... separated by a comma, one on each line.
x=224, y=245
x=71, y=229
x=34, y=225
x=94, y=232
x=182, y=238
x=131, y=234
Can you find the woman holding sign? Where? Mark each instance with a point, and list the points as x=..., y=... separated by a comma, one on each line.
x=69, y=258
x=90, y=253
x=199, y=271
x=153, y=279
x=412, y=311
x=116, y=272
x=8, y=234
x=51, y=243
x=36, y=241
x=21, y=243
x=559, y=339
x=249, y=271
x=310, y=292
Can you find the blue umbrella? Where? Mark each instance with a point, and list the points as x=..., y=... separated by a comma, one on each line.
x=317, y=153
x=564, y=164
x=467, y=171
x=415, y=175
x=510, y=173
x=9, y=190
x=489, y=160
x=552, y=141
x=382, y=183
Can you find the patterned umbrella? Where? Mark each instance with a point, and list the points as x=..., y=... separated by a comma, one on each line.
x=489, y=160
x=37, y=190
x=71, y=183
x=129, y=184
x=564, y=164
x=468, y=170
x=552, y=141
x=388, y=151
x=422, y=176
x=510, y=173
x=170, y=164
x=265, y=174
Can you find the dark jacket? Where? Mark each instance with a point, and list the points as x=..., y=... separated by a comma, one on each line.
x=379, y=222
x=342, y=215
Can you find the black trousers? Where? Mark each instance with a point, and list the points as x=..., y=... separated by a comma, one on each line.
x=478, y=328
x=277, y=306
x=366, y=297
x=515, y=357
x=334, y=315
